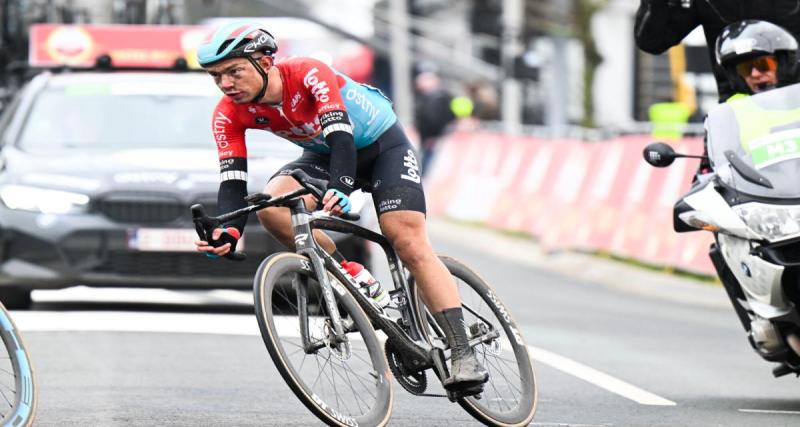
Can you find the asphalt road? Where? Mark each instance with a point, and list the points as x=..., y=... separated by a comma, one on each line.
x=612, y=347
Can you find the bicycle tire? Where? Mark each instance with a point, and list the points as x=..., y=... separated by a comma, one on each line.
x=22, y=406
x=525, y=408
x=267, y=286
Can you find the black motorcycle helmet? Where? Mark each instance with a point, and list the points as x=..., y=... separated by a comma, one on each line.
x=753, y=38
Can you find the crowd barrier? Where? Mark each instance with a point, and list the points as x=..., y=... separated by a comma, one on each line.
x=570, y=194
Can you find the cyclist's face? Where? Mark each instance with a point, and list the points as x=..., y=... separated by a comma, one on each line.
x=760, y=73
x=237, y=78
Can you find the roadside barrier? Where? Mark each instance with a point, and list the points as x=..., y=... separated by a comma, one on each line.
x=570, y=194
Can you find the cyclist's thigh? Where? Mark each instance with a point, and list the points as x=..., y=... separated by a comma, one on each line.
x=396, y=181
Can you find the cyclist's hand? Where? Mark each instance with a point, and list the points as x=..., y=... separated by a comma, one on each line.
x=223, y=241
x=336, y=202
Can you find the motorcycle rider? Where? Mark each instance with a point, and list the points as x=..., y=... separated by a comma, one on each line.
x=755, y=56
x=661, y=24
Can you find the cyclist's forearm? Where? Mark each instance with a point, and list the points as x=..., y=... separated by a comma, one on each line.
x=343, y=162
x=230, y=198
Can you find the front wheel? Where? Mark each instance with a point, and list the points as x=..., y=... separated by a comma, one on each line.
x=343, y=384
x=509, y=397
x=17, y=385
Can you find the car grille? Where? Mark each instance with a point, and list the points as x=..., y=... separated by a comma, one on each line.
x=142, y=208
x=147, y=264
x=147, y=208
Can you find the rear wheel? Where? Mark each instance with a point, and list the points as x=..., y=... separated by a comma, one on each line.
x=509, y=397
x=344, y=384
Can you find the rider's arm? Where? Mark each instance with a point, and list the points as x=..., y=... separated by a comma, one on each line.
x=660, y=26
x=324, y=86
x=229, y=136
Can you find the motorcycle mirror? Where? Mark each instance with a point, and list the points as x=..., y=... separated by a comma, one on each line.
x=659, y=154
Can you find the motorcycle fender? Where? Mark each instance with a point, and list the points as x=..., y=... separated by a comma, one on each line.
x=760, y=280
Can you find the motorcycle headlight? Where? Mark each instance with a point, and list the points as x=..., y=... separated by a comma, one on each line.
x=773, y=222
x=43, y=200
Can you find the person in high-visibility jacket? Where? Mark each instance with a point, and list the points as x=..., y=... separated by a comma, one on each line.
x=756, y=56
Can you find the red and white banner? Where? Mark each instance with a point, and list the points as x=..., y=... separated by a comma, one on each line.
x=570, y=194
x=128, y=45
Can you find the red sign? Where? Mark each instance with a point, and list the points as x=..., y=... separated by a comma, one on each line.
x=127, y=45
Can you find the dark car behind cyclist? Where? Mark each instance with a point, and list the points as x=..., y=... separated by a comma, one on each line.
x=351, y=137
x=661, y=24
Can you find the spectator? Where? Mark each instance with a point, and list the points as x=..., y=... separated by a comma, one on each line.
x=432, y=114
x=661, y=24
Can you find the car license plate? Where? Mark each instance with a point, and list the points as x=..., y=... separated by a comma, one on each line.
x=165, y=240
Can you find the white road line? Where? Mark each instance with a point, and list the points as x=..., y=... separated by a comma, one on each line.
x=767, y=411
x=245, y=324
x=598, y=378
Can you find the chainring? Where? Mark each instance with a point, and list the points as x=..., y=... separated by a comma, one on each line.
x=415, y=383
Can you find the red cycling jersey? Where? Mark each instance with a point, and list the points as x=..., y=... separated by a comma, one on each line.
x=312, y=107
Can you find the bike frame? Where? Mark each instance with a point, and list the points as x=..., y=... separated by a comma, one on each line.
x=303, y=224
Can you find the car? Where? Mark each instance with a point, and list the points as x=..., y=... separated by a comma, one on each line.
x=99, y=170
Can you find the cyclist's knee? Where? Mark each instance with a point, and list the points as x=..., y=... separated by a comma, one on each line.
x=413, y=251
x=278, y=222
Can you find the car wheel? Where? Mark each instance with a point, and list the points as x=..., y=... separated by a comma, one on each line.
x=15, y=298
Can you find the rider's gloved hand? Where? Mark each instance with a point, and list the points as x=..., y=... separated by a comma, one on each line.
x=223, y=241
x=336, y=202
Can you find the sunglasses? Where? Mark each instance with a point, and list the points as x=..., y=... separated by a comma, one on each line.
x=762, y=64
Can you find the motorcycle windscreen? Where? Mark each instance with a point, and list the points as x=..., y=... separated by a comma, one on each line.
x=764, y=131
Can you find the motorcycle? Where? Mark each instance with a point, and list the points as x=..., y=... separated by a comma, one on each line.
x=751, y=203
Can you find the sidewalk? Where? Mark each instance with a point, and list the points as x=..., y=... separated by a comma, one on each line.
x=583, y=267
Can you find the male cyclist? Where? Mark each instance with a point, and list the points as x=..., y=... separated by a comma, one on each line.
x=351, y=137
x=755, y=56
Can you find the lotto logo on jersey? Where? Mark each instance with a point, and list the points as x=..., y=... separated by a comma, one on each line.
x=318, y=88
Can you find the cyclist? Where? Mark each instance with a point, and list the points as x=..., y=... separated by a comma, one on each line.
x=755, y=56
x=351, y=137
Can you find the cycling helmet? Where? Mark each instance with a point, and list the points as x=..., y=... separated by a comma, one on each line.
x=238, y=40
x=235, y=40
x=753, y=38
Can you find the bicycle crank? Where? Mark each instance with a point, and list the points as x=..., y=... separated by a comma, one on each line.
x=415, y=383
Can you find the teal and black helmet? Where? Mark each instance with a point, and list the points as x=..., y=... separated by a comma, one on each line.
x=235, y=40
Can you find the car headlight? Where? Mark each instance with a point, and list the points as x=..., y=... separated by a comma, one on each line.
x=773, y=222
x=43, y=200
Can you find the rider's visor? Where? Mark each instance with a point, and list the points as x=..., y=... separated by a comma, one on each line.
x=763, y=64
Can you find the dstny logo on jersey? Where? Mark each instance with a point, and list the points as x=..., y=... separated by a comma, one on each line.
x=318, y=88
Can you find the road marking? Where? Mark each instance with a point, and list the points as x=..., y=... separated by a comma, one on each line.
x=768, y=411
x=598, y=378
x=246, y=325
x=121, y=321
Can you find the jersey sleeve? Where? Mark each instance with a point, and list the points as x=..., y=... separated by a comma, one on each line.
x=229, y=137
x=324, y=86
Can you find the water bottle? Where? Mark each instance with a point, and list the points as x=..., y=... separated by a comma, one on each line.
x=370, y=287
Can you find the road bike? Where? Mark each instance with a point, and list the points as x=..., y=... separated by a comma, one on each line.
x=320, y=330
x=17, y=382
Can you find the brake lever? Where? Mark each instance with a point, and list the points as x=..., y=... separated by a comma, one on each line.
x=204, y=227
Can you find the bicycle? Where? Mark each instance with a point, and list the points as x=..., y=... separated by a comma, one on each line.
x=308, y=307
x=17, y=383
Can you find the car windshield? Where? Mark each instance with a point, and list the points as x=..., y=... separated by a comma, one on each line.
x=764, y=132
x=114, y=117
